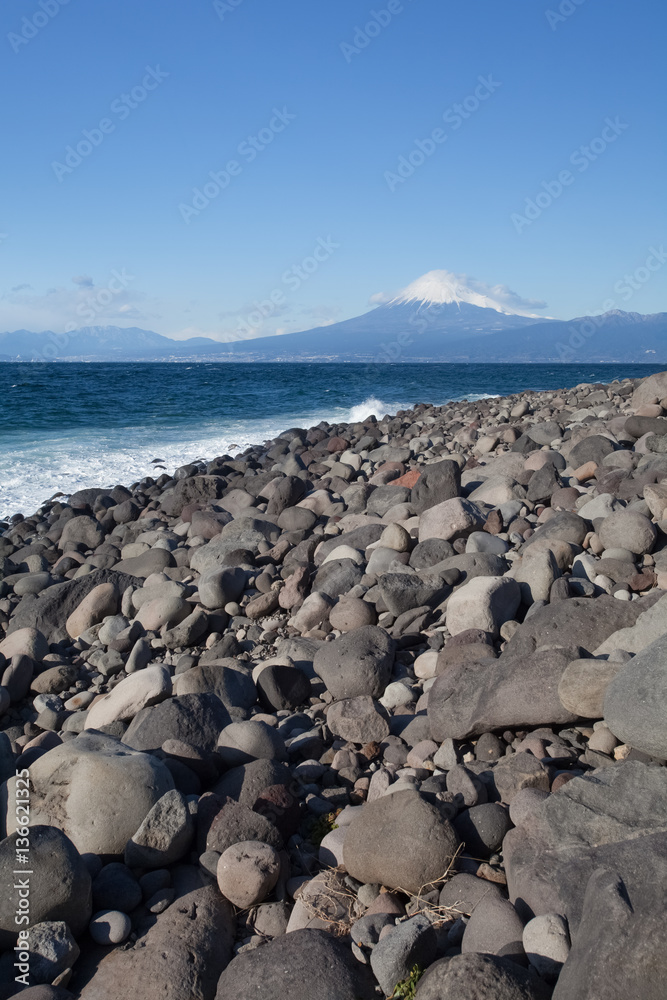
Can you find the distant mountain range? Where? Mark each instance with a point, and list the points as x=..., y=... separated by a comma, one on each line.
x=437, y=318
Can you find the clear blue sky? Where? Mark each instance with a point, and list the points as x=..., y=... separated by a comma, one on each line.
x=329, y=172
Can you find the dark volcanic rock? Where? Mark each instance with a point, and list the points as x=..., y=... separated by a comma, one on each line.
x=60, y=885
x=356, y=663
x=246, y=783
x=576, y=622
x=302, y=965
x=195, y=489
x=512, y=691
x=438, y=482
x=232, y=684
x=480, y=977
x=401, y=841
x=281, y=687
x=197, y=719
x=616, y=951
x=615, y=818
x=49, y=612
x=178, y=954
x=235, y=823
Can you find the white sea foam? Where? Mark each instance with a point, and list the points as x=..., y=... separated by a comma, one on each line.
x=34, y=467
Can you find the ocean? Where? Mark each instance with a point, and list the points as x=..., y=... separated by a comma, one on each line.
x=67, y=426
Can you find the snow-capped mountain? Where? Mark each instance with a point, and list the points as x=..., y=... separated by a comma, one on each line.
x=439, y=317
x=438, y=288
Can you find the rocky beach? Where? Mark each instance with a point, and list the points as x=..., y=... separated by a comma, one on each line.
x=372, y=710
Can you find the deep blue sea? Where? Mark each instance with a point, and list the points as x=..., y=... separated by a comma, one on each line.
x=66, y=426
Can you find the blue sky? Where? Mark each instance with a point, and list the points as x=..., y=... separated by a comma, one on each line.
x=303, y=110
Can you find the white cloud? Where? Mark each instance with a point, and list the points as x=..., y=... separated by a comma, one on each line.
x=115, y=301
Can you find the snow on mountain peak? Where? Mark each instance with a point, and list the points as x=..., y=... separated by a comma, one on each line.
x=445, y=288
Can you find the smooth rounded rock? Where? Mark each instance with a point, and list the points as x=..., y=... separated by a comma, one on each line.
x=480, y=977
x=357, y=663
x=485, y=602
x=94, y=608
x=247, y=872
x=351, y=613
x=547, y=944
x=60, y=886
x=302, y=965
x=96, y=790
x=241, y=742
x=401, y=841
x=628, y=529
x=109, y=927
x=358, y=720
x=25, y=642
x=139, y=690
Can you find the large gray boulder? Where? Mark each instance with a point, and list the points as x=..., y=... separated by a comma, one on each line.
x=437, y=483
x=197, y=719
x=179, y=954
x=480, y=977
x=635, y=702
x=225, y=678
x=486, y=603
x=400, y=840
x=614, y=817
x=619, y=948
x=303, y=965
x=94, y=789
x=244, y=532
x=356, y=663
x=649, y=389
x=50, y=610
x=511, y=692
x=246, y=783
x=579, y=621
x=563, y=527
x=194, y=489
x=60, y=884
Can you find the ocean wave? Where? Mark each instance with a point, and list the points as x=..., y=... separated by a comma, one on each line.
x=35, y=467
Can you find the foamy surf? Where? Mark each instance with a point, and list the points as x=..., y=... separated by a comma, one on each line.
x=32, y=469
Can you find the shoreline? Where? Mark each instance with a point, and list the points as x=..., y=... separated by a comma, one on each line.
x=95, y=425
x=403, y=663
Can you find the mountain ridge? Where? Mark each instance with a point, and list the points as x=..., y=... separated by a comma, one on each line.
x=439, y=317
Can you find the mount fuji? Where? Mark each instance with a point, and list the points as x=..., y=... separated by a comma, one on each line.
x=441, y=317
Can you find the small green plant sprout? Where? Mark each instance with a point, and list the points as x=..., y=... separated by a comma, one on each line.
x=322, y=826
x=407, y=988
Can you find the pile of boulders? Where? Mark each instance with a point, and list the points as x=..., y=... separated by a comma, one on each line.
x=372, y=710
